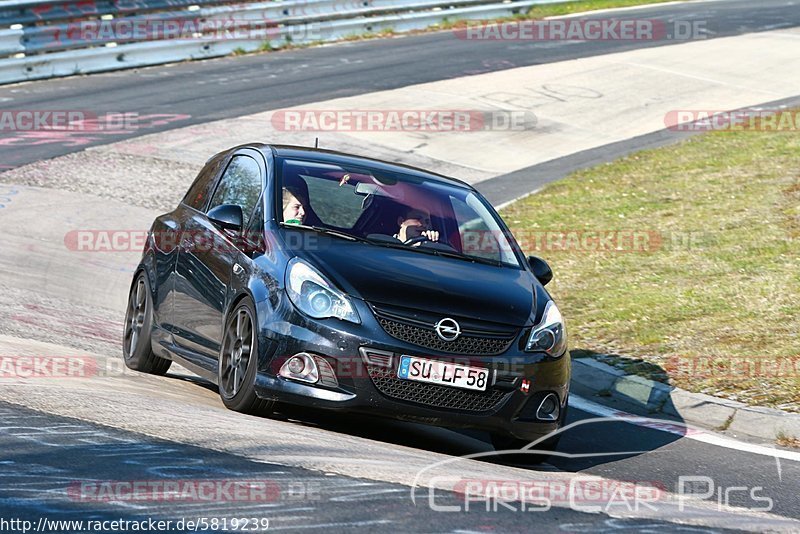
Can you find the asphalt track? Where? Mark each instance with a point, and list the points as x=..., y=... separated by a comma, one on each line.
x=231, y=87
x=360, y=470
x=48, y=455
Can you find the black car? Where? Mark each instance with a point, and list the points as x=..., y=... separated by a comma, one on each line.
x=386, y=290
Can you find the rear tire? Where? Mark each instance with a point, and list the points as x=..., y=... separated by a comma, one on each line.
x=238, y=362
x=137, y=349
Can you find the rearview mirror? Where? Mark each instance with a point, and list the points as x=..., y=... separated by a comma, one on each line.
x=541, y=270
x=227, y=217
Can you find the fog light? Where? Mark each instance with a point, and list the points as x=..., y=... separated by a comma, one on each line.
x=296, y=365
x=300, y=367
x=548, y=409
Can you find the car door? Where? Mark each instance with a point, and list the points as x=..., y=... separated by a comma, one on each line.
x=167, y=232
x=207, y=256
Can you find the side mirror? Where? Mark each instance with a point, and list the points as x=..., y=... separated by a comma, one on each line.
x=227, y=217
x=541, y=270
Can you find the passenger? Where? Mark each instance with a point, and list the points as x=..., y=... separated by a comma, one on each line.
x=294, y=211
x=415, y=223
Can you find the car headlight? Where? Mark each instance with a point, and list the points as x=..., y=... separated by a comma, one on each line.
x=315, y=296
x=550, y=335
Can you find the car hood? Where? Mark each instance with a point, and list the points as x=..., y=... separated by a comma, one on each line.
x=416, y=280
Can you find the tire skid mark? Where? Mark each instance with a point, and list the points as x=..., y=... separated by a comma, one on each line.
x=75, y=323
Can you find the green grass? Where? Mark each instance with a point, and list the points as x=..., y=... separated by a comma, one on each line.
x=385, y=32
x=567, y=8
x=715, y=306
x=547, y=10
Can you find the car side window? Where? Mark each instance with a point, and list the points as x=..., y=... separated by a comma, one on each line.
x=481, y=235
x=198, y=193
x=240, y=185
x=477, y=239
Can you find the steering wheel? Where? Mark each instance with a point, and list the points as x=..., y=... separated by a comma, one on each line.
x=415, y=240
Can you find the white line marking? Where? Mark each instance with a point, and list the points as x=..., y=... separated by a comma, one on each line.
x=680, y=429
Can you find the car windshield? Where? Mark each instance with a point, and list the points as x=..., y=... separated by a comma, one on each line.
x=387, y=208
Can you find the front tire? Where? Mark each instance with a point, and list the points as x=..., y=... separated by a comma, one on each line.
x=238, y=362
x=137, y=349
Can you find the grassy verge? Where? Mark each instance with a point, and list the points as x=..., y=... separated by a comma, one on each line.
x=536, y=12
x=709, y=298
x=787, y=441
x=568, y=8
x=546, y=10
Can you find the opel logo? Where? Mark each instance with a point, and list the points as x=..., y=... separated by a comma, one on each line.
x=447, y=329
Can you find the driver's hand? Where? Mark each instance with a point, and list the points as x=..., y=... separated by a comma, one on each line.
x=432, y=235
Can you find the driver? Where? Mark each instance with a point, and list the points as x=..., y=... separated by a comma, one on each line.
x=413, y=223
x=294, y=211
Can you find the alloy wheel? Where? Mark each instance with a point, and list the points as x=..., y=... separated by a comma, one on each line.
x=236, y=352
x=135, y=317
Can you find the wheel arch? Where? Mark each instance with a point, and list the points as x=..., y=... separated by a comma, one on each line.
x=146, y=265
x=239, y=297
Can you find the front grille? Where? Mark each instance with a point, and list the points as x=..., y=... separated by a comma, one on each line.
x=387, y=382
x=420, y=332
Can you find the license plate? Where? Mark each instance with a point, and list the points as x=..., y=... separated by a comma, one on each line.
x=443, y=373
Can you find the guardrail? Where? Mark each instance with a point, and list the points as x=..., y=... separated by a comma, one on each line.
x=44, y=39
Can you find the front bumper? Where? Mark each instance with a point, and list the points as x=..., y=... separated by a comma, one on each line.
x=368, y=388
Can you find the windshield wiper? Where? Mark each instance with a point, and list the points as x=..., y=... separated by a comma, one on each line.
x=322, y=230
x=395, y=243
x=386, y=241
x=467, y=257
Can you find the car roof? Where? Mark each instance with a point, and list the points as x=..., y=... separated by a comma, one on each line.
x=333, y=156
